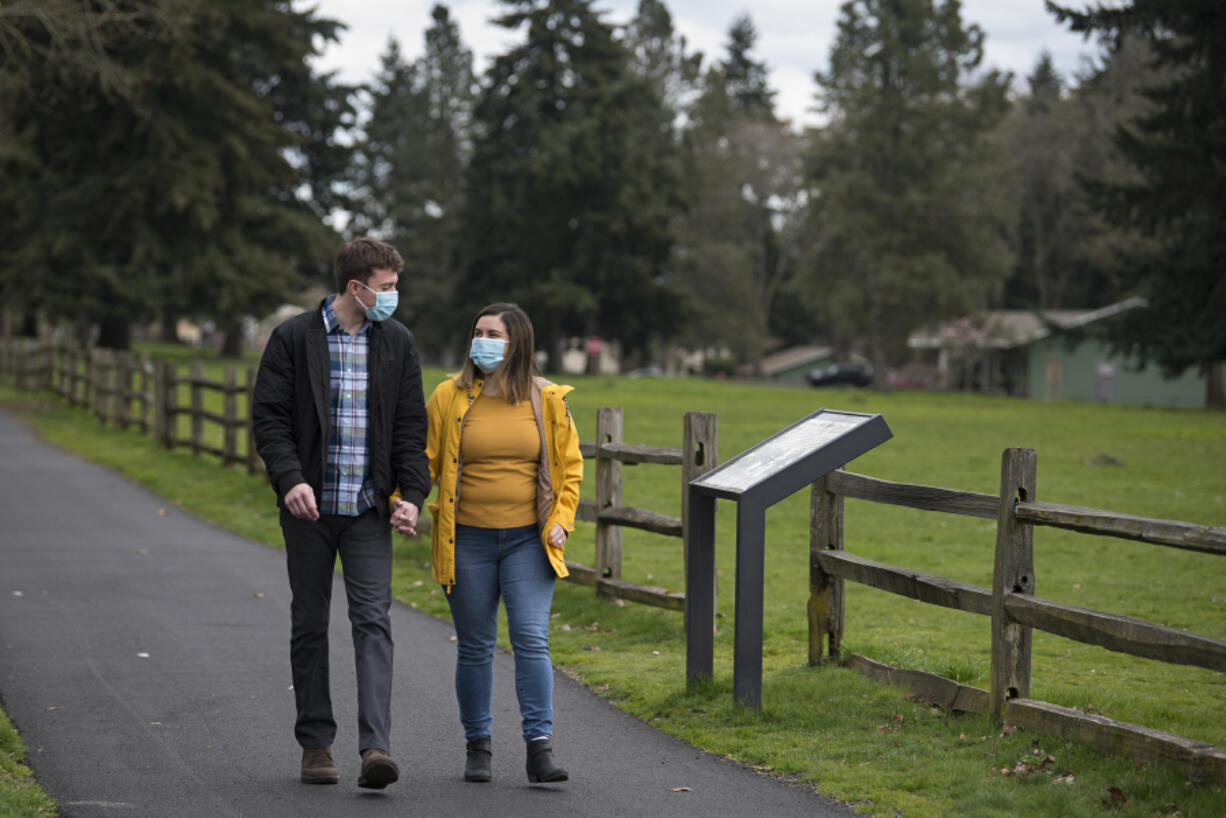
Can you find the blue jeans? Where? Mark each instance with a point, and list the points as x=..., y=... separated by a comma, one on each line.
x=509, y=563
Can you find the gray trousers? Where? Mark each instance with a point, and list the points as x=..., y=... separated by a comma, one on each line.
x=364, y=544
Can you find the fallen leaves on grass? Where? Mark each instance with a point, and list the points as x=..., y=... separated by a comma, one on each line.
x=892, y=728
x=1116, y=799
x=1028, y=767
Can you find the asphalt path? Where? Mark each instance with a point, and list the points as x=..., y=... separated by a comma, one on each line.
x=144, y=658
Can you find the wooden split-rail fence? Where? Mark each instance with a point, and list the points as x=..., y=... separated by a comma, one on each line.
x=1013, y=607
x=126, y=391
x=696, y=456
x=134, y=391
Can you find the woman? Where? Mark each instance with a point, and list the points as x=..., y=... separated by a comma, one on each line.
x=505, y=453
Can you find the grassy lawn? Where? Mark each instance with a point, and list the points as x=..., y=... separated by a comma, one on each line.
x=20, y=794
x=853, y=738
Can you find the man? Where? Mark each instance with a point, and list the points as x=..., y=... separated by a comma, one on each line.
x=340, y=421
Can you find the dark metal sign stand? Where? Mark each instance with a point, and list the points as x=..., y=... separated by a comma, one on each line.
x=756, y=479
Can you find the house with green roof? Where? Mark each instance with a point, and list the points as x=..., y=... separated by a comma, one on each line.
x=1050, y=355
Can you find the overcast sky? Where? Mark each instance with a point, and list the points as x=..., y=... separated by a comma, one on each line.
x=794, y=36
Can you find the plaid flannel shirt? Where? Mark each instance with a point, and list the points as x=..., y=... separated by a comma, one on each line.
x=346, y=488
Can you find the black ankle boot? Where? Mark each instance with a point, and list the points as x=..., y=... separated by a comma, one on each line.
x=541, y=766
x=477, y=767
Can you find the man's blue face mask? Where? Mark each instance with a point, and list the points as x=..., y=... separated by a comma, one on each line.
x=385, y=304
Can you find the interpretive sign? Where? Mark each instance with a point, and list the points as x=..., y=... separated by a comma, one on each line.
x=816, y=434
x=756, y=479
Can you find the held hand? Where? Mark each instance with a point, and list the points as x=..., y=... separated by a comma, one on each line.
x=300, y=500
x=557, y=536
x=404, y=517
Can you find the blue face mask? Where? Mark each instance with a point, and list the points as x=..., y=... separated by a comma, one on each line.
x=487, y=353
x=385, y=304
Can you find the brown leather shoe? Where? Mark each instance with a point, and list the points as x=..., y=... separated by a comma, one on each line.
x=378, y=770
x=318, y=767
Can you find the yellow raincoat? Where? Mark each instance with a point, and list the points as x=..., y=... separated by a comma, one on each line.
x=559, y=474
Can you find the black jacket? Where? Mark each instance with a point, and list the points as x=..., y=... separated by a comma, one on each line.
x=290, y=409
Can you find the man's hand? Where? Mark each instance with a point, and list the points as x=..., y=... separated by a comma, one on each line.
x=300, y=500
x=404, y=517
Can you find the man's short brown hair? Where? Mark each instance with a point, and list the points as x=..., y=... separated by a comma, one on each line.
x=362, y=256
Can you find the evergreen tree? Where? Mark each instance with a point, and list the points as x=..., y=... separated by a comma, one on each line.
x=1109, y=91
x=746, y=78
x=1178, y=196
x=414, y=156
x=1042, y=136
x=909, y=208
x=569, y=207
x=743, y=183
x=659, y=53
x=173, y=193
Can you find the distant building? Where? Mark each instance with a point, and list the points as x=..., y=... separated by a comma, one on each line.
x=794, y=363
x=1038, y=355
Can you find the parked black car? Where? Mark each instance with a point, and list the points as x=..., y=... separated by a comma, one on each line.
x=842, y=375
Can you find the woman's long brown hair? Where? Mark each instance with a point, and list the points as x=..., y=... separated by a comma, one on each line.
x=514, y=375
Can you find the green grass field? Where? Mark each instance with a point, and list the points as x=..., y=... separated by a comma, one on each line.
x=20, y=794
x=855, y=739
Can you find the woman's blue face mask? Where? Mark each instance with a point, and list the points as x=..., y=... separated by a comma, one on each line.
x=487, y=353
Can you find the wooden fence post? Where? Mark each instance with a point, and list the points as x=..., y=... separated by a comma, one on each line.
x=87, y=380
x=825, y=591
x=63, y=362
x=196, y=373
x=230, y=431
x=699, y=454
x=123, y=390
x=101, y=374
x=608, y=494
x=57, y=371
x=46, y=379
x=164, y=418
x=146, y=366
x=253, y=458
x=1013, y=574
x=80, y=377
x=71, y=365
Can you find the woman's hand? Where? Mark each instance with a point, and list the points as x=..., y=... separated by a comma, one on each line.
x=404, y=518
x=557, y=536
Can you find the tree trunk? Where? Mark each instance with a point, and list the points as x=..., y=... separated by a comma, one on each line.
x=82, y=330
x=114, y=333
x=29, y=324
x=1037, y=260
x=167, y=331
x=232, y=335
x=877, y=330
x=1215, y=398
